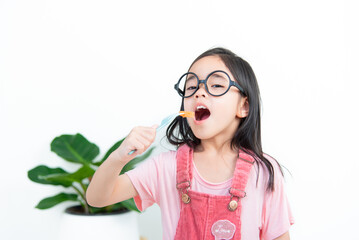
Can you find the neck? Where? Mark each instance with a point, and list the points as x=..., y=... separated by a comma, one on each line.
x=219, y=144
x=216, y=147
x=215, y=161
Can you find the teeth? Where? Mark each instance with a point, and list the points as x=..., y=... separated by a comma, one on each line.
x=201, y=107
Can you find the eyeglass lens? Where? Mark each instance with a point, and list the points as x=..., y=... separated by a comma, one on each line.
x=217, y=84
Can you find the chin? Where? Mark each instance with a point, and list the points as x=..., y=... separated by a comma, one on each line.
x=202, y=135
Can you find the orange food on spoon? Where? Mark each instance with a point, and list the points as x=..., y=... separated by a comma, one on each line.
x=186, y=114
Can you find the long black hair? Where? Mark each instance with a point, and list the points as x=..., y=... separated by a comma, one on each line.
x=248, y=134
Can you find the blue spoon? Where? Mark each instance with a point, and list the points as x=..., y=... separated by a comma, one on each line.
x=164, y=122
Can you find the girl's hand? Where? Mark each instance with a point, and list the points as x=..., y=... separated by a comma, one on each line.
x=107, y=186
x=140, y=138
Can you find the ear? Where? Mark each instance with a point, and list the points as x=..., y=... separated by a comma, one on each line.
x=243, y=108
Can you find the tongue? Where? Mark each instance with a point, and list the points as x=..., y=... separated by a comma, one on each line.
x=202, y=114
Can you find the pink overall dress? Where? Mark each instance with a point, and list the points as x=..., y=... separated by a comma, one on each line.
x=205, y=216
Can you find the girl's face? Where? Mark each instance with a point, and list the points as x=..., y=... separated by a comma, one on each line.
x=215, y=117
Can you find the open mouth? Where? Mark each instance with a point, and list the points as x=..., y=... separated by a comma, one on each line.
x=202, y=113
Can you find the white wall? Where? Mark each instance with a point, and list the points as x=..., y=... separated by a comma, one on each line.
x=102, y=67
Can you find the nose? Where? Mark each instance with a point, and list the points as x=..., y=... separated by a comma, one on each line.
x=201, y=91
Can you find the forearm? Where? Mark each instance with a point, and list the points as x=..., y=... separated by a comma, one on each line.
x=103, y=182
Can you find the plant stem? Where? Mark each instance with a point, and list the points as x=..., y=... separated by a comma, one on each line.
x=84, y=188
x=83, y=198
x=83, y=205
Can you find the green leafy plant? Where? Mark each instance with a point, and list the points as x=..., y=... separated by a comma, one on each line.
x=78, y=150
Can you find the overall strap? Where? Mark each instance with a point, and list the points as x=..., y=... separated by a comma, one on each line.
x=184, y=167
x=241, y=174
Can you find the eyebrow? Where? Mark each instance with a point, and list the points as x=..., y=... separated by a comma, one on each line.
x=218, y=75
x=191, y=77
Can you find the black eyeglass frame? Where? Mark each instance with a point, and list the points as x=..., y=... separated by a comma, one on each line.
x=231, y=83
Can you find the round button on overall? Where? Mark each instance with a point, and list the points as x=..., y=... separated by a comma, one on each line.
x=232, y=205
x=185, y=198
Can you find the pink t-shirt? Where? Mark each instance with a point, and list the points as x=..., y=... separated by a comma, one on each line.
x=264, y=216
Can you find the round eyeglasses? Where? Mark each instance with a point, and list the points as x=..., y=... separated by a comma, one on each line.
x=217, y=83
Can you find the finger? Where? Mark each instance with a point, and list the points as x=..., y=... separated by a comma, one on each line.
x=145, y=141
x=140, y=138
x=148, y=133
x=138, y=147
x=139, y=130
x=150, y=137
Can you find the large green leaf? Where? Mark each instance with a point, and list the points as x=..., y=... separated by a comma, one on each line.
x=59, y=198
x=131, y=164
x=107, y=209
x=114, y=207
x=130, y=204
x=41, y=174
x=113, y=148
x=75, y=148
x=84, y=172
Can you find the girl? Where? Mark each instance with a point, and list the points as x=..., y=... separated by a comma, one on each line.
x=218, y=184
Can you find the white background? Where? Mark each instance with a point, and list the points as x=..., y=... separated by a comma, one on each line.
x=103, y=67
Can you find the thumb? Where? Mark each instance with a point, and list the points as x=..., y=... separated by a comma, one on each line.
x=154, y=126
